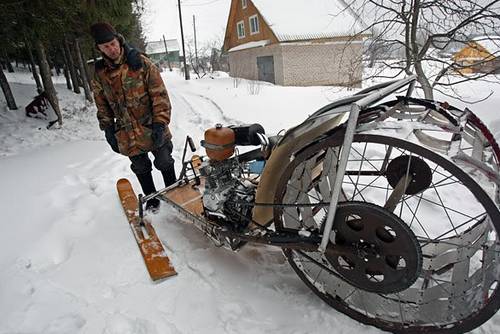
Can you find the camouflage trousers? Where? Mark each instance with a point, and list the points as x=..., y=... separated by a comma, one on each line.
x=141, y=164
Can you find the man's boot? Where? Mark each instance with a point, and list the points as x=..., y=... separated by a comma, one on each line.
x=148, y=187
x=169, y=175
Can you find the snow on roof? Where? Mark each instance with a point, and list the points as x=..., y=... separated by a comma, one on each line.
x=155, y=47
x=490, y=43
x=308, y=19
x=250, y=45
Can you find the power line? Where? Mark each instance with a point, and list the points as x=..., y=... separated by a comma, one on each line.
x=200, y=4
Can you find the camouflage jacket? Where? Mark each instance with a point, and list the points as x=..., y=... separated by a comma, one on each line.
x=130, y=96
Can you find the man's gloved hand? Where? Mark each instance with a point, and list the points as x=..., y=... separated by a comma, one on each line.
x=111, y=139
x=158, y=135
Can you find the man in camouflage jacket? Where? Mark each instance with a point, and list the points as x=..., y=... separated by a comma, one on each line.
x=133, y=108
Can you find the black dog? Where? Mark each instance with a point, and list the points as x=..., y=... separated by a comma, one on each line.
x=38, y=106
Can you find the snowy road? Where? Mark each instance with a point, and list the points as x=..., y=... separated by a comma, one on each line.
x=68, y=261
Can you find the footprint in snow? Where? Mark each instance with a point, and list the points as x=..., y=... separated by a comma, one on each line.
x=121, y=324
x=70, y=323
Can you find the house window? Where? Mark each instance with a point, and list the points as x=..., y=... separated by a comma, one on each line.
x=240, y=27
x=244, y=4
x=254, y=24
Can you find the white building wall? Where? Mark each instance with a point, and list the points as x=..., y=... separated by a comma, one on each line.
x=304, y=64
x=243, y=63
x=310, y=64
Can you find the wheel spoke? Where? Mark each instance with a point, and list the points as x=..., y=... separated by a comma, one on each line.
x=369, y=185
x=360, y=167
x=416, y=209
x=363, y=156
x=355, y=189
x=438, y=238
x=397, y=194
x=446, y=207
x=418, y=221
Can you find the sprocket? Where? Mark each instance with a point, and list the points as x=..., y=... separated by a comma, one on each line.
x=387, y=256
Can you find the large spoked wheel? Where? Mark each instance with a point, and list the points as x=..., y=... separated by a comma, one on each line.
x=423, y=235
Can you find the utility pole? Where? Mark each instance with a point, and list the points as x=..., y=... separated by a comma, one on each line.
x=166, y=51
x=186, y=72
x=195, y=46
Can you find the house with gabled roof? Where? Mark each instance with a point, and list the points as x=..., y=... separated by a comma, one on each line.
x=479, y=55
x=295, y=42
x=163, y=51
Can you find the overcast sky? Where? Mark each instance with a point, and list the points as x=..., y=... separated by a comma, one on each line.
x=161, y=17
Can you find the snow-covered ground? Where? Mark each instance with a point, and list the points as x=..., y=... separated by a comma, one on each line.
x=69, y=263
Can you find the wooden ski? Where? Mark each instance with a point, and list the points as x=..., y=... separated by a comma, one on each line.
x=152, y=250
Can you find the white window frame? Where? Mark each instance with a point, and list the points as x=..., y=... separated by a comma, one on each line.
x=244, y=4
x=238, y=29
x=257, y=24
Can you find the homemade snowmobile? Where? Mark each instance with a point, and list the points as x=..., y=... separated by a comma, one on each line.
x=385, y=205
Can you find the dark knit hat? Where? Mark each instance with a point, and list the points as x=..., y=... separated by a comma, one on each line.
x=102, y=32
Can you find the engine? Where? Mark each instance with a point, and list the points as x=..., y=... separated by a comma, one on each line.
x=227, y=195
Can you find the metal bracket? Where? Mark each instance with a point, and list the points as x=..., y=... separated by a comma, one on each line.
x=346, y=148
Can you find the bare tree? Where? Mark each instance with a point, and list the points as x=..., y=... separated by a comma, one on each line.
x=422, y=29
x=34, y=71
x=71, y=66
x=199, y=61
x=47, y=81
x=83, y=70
x=7, y=92
x=8, y=62
x=253, y=87
x=66, y=68
x=214, y=48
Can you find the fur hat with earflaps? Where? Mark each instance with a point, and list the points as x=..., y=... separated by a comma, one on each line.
x=103, y=32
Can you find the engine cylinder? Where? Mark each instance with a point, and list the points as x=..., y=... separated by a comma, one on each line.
x=219, y=142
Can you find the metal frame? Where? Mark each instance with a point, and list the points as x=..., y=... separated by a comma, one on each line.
x=346, y=147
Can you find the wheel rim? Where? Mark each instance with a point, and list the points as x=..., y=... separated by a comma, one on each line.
x=458, y=286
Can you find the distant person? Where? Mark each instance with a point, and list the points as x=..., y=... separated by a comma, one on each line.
x=133, y=108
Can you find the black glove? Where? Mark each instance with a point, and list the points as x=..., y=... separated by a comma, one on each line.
x=111, y=139
x=158, y=135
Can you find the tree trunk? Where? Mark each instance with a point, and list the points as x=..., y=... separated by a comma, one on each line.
x=51, y=64
x=33, y=69
x=68, y=79
x=65, y=69
x=8, y=63
x=11, y=102
x=86, y=68
x=47, y=80
x=415, y=52
x=83, y=72
x=424, y=82
x=71, y=67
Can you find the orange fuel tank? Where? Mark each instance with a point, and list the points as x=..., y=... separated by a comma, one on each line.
x=219, y=142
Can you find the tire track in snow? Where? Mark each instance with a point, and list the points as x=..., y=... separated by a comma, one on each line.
x=179, y=103
x=226, y=120
x=192, y=115
x=197, y=111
